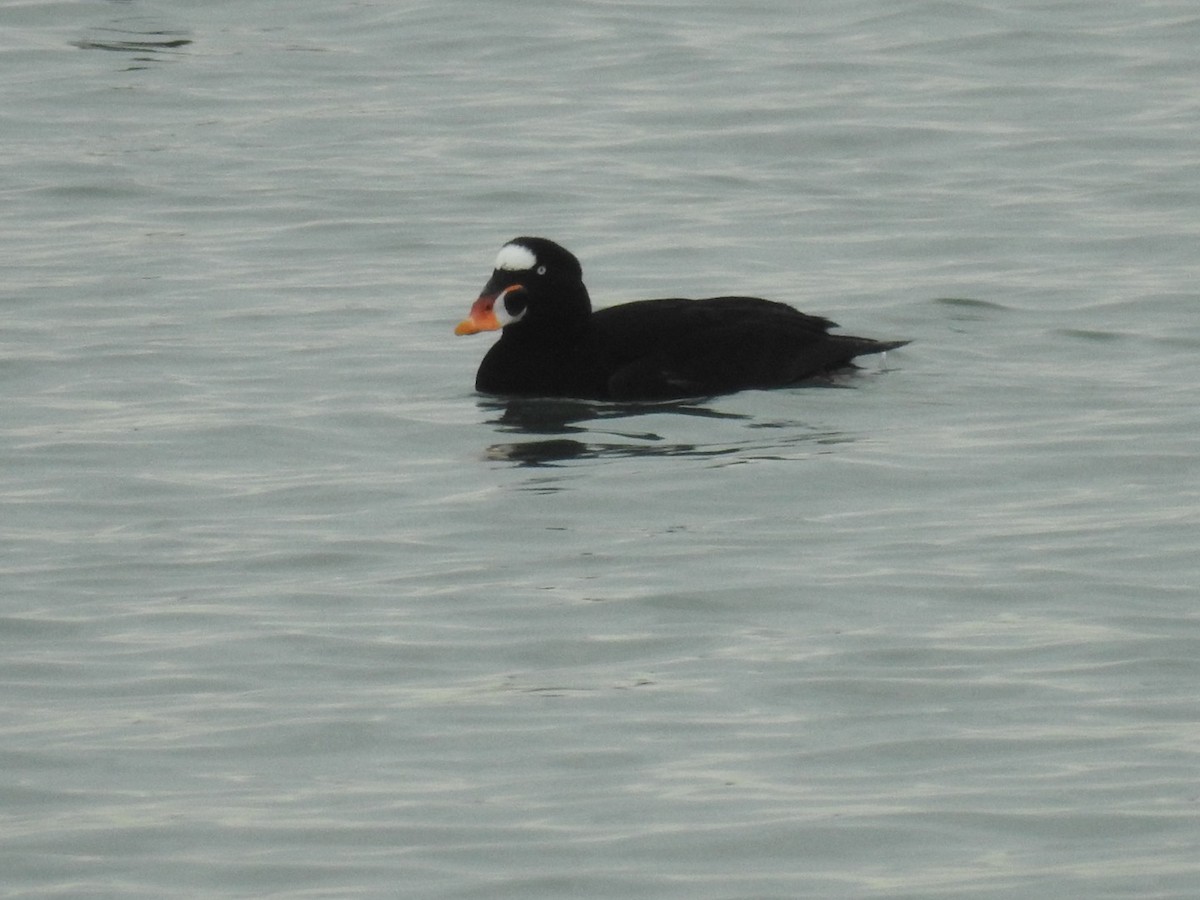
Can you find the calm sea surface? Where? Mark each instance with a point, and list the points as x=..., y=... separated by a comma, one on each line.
x=288, y=610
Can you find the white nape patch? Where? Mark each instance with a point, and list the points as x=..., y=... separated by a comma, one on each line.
x=515, y=258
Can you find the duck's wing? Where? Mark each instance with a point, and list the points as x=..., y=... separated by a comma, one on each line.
x=657, y=349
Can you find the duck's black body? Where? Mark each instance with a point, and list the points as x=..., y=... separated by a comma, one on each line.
x=553, y=345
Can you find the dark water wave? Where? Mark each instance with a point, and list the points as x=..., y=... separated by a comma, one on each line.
x=134, y=36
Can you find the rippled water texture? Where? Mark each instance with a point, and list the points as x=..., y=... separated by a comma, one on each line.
x=288, y=610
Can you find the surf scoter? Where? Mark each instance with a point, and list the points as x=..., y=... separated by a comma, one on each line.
x=553, y=345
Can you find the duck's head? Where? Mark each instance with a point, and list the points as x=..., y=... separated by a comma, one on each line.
x=535, y=284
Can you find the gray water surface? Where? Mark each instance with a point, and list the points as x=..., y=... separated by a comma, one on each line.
x=289, y=611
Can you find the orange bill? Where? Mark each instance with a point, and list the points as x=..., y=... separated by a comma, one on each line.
x=481, y=318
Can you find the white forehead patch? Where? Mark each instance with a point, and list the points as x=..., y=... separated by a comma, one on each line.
x=515, y=258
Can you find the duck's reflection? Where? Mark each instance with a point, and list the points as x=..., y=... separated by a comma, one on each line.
x=554, y=431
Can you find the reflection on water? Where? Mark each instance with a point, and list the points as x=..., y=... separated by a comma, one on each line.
x=535, y=415
x=564, y=430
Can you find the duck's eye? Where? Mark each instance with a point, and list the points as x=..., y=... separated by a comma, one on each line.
x=541, y=270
